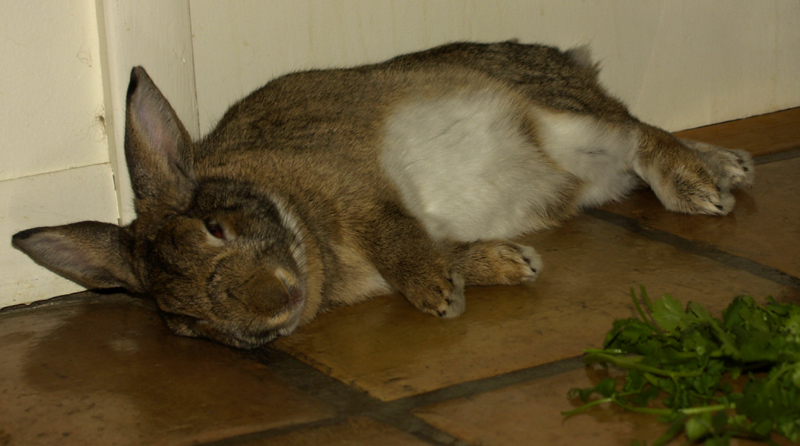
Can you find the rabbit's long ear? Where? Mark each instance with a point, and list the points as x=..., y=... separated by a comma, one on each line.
x=157, y=147
x=89, y=253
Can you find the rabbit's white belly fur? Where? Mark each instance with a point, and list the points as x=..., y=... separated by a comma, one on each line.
x=599, y=154
x=465, y=167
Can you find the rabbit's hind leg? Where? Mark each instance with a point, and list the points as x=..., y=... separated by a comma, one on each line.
x=496, y=262
x=685, y=179
x=730, y=168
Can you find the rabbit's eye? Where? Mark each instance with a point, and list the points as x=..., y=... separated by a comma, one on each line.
x=215, y=229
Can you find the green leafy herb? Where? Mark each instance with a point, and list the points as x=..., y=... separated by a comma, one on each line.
x=688, y=360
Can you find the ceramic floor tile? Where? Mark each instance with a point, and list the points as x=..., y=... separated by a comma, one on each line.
x=764, y=226
x=107, y=371
x=530, y=413
x=351, y=432
x=389, y=349
x=759, y=135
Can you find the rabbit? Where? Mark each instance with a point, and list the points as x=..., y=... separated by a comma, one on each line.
x=327, y=187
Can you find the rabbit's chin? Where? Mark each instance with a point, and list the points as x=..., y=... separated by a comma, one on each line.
x=296, y=313
x=255, y=334
x=257, y=340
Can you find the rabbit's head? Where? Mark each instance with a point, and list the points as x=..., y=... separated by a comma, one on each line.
x=223, y=259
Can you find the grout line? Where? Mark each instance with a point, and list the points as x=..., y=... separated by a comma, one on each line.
x=750, y=266
x=56, y=171
x=777, y=156
x=483, y=385
x=348, y=401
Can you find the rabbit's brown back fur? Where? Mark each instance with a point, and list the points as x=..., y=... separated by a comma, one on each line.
x=327, y=187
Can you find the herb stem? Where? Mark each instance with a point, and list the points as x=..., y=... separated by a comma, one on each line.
x=587, y=406
x=686, y=411
x=642, y=315
x=632, y=362
x=614, y=399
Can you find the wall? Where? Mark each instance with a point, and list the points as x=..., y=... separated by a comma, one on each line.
x=54, y=159
x=677, y=63
x=156, y=35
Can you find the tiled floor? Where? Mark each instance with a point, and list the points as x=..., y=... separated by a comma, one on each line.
x=103, y=369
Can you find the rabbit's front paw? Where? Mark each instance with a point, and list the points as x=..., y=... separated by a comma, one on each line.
x=517, y=264
x=496, y=263
x=443, y=299
x=455, y=303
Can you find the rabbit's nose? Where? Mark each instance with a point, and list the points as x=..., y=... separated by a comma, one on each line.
x=267, y=294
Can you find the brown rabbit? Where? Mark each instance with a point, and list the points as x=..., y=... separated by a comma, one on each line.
x=328, y=187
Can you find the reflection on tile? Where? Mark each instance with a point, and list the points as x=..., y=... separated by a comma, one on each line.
x=351, y=432
x=758, y=135
x=389, y=349
x=107, y=371
x=530, y=413
x=764, y=226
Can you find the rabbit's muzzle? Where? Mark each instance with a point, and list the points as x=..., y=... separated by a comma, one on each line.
x=252, y=301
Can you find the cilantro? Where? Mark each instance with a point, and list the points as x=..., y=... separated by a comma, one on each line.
x=689, y=361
